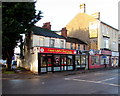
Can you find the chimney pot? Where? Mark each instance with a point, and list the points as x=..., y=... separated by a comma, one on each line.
x=82, y=8
x=47, y=25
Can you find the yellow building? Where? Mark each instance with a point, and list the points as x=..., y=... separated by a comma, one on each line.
x=93, y=31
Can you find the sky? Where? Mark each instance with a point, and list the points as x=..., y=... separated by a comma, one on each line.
x=61, y=12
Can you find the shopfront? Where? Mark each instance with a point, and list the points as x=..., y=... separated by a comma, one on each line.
x=105, y=58
x=55, y=60
x=114, y=59
x=99, y=59
x=94, y=59
x=81, y=59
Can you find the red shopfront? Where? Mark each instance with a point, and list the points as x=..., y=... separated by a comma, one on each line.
x=100, y=59
x=55, y=60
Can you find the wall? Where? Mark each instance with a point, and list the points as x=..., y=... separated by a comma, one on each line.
x=113, y=37
x=46, y=41
x=30, y=61
x=79, y=26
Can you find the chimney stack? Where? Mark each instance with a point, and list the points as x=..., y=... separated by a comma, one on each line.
x=96, y=15
x=47, y=25
x=64, y=32
x=82, y=8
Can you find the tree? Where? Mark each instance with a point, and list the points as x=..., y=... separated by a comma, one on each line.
x=17, y=18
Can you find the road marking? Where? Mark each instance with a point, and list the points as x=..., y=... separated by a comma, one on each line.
x=98, y=82
x=107, y=79
x=98, y=73
x=74, y=77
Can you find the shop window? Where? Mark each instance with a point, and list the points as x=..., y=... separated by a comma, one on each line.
x=63, y=60
x=57, y=60
x=43, y=61
x=77, y=61
x=83, y=60
x=52, y=42
x=104, y=59
x=49, y=60
x=94, y=60
x=69, y=60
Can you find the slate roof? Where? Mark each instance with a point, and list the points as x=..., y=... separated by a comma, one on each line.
x=75, y=40
x=45, y=32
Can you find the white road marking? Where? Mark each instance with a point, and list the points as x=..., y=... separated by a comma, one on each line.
x=98, y=73
x=107, y=79
x=98, y=82
x=74, y=77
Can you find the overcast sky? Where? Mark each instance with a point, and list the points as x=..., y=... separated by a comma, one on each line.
x=61, y=12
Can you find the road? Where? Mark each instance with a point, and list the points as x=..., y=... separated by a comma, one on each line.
x=100, y=82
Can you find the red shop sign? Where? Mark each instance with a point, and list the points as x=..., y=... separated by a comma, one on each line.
x=56, y=50
x=106, y=52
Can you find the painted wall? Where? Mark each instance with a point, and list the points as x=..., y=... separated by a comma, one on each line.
x=45, y=41
x=30, y=61
x=79, y=27
x=113, y=37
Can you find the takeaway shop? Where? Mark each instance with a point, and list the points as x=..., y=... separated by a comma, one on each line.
x=55, y=59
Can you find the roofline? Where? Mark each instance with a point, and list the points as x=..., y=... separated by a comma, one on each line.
x=100, y=21
x=78, y=39
x=48, y=36
x=62, y=37
x=109, y=25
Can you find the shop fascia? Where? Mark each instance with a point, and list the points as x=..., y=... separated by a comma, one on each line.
x=102, y=52
x=115, y=53
x=51, y=50
x=57, y=50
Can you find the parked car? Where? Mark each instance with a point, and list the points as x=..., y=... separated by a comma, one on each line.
x=3, y=63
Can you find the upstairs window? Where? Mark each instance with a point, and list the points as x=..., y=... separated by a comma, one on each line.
x=41, y=41
x=84, y=47
x=78, y=46
x=113, y=45
x=52, y=42
x=106, y=42
x=61, y=44
x=71, y=45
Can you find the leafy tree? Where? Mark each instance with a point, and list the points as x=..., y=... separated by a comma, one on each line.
x=17, y=18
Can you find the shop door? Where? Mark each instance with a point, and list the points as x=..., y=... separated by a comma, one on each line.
x=42, y=64
x=49, y=63
x=63, y=63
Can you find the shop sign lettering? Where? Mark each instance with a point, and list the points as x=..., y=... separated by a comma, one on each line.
x=56, y=50
x=106, y=52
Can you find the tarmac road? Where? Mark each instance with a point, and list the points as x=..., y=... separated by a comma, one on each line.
x=100, y=82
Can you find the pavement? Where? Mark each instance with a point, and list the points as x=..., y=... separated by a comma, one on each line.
x=30, y=75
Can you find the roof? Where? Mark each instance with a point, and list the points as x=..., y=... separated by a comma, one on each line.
x=75, y=40
x=109, y=26
x=45, y=32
